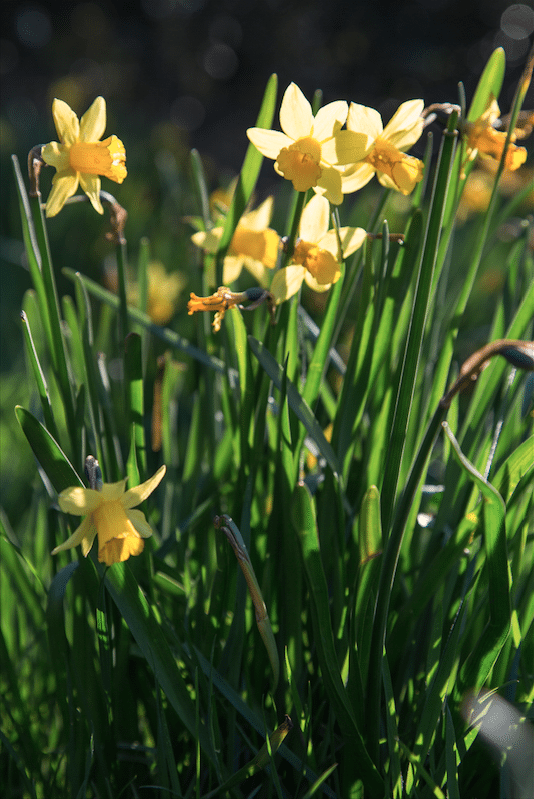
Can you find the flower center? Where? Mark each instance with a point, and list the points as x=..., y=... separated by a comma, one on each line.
x=299, y=163
x=105, y=158
x=262, y=245
x=404, y=170
x=321, y=264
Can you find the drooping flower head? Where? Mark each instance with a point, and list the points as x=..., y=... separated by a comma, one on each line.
x=224, y=299
x=80, y=157
x=109, y=513
x=483, y=139
x=309, y=147
x=386, y=157
x=317, y=255
x=254, y=244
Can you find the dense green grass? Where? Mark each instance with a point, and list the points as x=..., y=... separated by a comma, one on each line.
x=393, y=549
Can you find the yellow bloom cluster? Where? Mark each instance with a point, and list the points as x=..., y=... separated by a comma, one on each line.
x=314, y=152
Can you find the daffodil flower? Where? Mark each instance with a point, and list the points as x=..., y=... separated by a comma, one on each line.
x=254, y=245
x=317, y=255
x=310, y=147
x=386, y=156
x=80, y=157
x=224, y=299
x=109, y=514
x=484, y=140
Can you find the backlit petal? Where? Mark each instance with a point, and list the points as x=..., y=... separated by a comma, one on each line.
x=119, y=549
x=208, y=240
x=84, y=535
x=113, y=491
x=79, y=501
x=232, y=268
x=363, y=119
x=329, y=119
x=91, y=185
x=347, y=147
x=287, y=282
x=356, y=176
x=268, y=142
x=315, y=219
x=406, y=125
x=93, y=122
x=64, y=185
x=66, y=122
x=314, y=285
x=296, y=117
x=329, y=184
x=56, y=155
x=260, y=218
x=138, y=519
x=138, y=494
x=352, y=239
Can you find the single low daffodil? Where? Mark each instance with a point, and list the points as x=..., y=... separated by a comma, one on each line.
x=80, y=157
x=386, y=157
x=254, y=244
x=109, y=513
x=309, y=147
x=317, y=254
x=484, y=140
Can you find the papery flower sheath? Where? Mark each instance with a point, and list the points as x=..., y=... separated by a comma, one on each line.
x=317, y=255
x=80, y=157
x=254, y=244
x=310, y=147
x=386, y=157
x=109, y=513
x=483, y=139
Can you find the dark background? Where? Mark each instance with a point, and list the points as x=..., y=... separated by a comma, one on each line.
x=201, y=65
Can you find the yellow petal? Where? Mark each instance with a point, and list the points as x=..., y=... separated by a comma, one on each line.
x=93, y=122
x=79, y=501
x=119, y=549
x=84, y=535
x=287, y=282
x=346, y=147
x=91, y=185
x=315, y=219
x=260, y=217
x=406, y=125
x=329, y=184
x=363, y=119
x=352, y=239
x=138, y=519
x=329, y=119
x=356, y=176
x=66, y=122
x=268, y=142
x=64, y=185
x=138, y=494
x=113, y=491
x=296, y=117
x=313, y=284
x=56, y=155
x=232, y=268
x=208, y=240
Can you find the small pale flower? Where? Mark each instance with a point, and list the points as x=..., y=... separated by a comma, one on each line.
x=484, y=140
x=317, y=256
x=109, y=513
x=254, y=244
x=310, y=147
x=386, y=157
x=80, y=157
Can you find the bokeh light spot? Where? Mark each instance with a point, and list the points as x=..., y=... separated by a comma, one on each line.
x=187, y=113
x=220, y=61
x=517, y=21
x=33, y=26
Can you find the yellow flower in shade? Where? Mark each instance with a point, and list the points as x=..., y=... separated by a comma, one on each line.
x=109, y=513
x=317, y=256
x=80, y=157
x=386, y=157
x=309, y=147
x=484, y=140
x=254, y=244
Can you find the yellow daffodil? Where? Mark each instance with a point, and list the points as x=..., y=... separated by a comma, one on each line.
x=386, y=156
x=484, y=140
x=109, y=513
x=317, y=256
x=254, y=244
x=80, y=157
x=309, y=147
x=224, y=299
